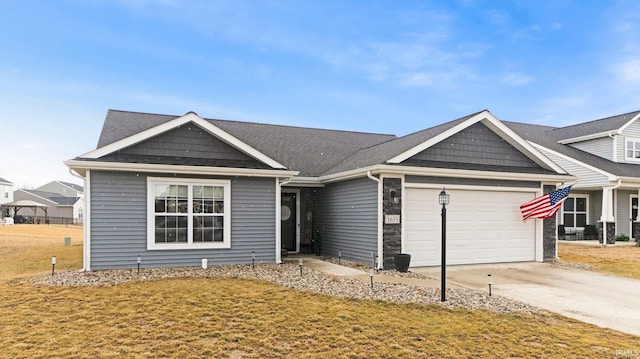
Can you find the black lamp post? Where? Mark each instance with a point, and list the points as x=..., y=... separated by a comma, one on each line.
x=443, y=200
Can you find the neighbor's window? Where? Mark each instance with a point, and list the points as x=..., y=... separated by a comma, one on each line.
x=632, y=150
x=575, y=212
x=189, y=213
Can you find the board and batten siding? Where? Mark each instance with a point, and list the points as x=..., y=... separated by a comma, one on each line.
x=119, y=228
x=602, y=147
x=632, y=132
x=347, y=218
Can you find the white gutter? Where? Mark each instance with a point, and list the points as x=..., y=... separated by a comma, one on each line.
x=85, y=224
x=589, y=137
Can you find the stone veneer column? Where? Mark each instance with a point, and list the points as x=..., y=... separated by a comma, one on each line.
x=391, y=233
x=636, y=233
x=607, y=231
x=549, y=233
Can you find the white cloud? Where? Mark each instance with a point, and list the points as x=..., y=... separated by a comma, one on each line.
x=516, y=79
x=628, y=71
x=418, y=79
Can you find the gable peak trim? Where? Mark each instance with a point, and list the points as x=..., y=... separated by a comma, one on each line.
x=189, y=117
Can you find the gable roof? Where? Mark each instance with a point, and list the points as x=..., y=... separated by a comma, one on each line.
x=310, y=151
x=314, y=154
x=4, y=181
x=550, y=138
x=401, y=149
x=73, y=186
x=53, y=198
x=595, y=129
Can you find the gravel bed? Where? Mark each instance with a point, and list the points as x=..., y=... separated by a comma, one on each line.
x=583, y=266
x=288, y=275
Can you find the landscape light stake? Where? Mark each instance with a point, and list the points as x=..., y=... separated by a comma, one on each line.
x=53, y=265
x=443, y=199
x=489, y=284
x=300, y=264
x=371, y=276
x=138, y=265
x=339, y=256
x=253, y=259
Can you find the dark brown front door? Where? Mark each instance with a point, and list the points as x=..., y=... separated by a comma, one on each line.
x=288, y=221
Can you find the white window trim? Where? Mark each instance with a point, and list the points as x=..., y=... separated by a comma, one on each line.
x=626, y=148
x=152, y=245
x=586, y=212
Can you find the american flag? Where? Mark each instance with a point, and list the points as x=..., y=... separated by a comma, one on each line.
x=545, y=206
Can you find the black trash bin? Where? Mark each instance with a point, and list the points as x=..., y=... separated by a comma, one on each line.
x=402, y=260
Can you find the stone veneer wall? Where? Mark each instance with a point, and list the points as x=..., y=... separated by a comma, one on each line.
x=549, y=233
x=608, y=232
x=392, y=233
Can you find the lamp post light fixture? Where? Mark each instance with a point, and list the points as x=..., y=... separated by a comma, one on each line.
x=443, y=200
x=53, y=265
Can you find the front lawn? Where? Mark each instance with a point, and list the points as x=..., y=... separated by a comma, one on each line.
x=233, y=318
x=622, y=261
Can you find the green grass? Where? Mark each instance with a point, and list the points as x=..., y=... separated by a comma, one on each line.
x=232, y=318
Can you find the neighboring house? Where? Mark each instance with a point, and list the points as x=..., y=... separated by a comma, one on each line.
x=605, y=157
x=59, y=209
x=6, y=196
x=64, y=189
x=174, y=190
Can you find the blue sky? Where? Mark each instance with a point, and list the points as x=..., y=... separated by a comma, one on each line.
x=373, y=66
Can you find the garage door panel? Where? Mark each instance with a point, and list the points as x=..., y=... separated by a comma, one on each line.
x=482, y=227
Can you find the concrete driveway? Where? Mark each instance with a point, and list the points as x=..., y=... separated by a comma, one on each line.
x=599, y=299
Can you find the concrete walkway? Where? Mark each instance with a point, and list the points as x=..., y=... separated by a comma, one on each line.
x=362, y=275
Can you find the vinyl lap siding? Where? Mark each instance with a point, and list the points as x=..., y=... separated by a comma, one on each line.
x=623, y=212
x=586, y=176
x=602, y=147
x=632, y=132
x=347, y=219
x=119, y=232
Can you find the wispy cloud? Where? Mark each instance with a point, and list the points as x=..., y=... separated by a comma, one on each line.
x=516, y=79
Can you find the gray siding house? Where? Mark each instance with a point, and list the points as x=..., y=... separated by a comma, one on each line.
x=604, y=155
x=176, y=189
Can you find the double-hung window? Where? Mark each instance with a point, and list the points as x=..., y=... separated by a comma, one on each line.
x=188, y=213
x=632, y=149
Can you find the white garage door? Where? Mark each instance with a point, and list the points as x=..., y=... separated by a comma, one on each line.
x=482, y=227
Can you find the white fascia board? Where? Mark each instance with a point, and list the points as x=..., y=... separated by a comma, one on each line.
x=499, y=128
x=304, y=182
x=440, y=137
x=631, y=121
x=201, y=170
x=444, y=172
x=179, y=121
x=610, y=176
x=520, y=143
x=591, y=136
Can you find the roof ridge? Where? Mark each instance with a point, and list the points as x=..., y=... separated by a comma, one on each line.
x=597, y=120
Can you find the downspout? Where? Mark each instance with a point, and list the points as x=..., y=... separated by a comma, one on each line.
x=85, y=222
x=278, y=217
x=380, y=209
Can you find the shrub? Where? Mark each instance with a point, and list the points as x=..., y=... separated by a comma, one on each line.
x=622, y=238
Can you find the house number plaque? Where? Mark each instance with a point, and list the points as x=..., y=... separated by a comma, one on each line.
x=391, y=219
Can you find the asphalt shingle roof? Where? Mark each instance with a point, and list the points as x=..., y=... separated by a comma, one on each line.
x=611, y=123
x=548, y=137
x=308, y=150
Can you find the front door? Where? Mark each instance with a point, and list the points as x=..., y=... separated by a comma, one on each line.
x=288, y=222
x=634, y=214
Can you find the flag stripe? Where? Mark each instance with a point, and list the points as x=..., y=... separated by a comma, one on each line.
x=545, y=206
